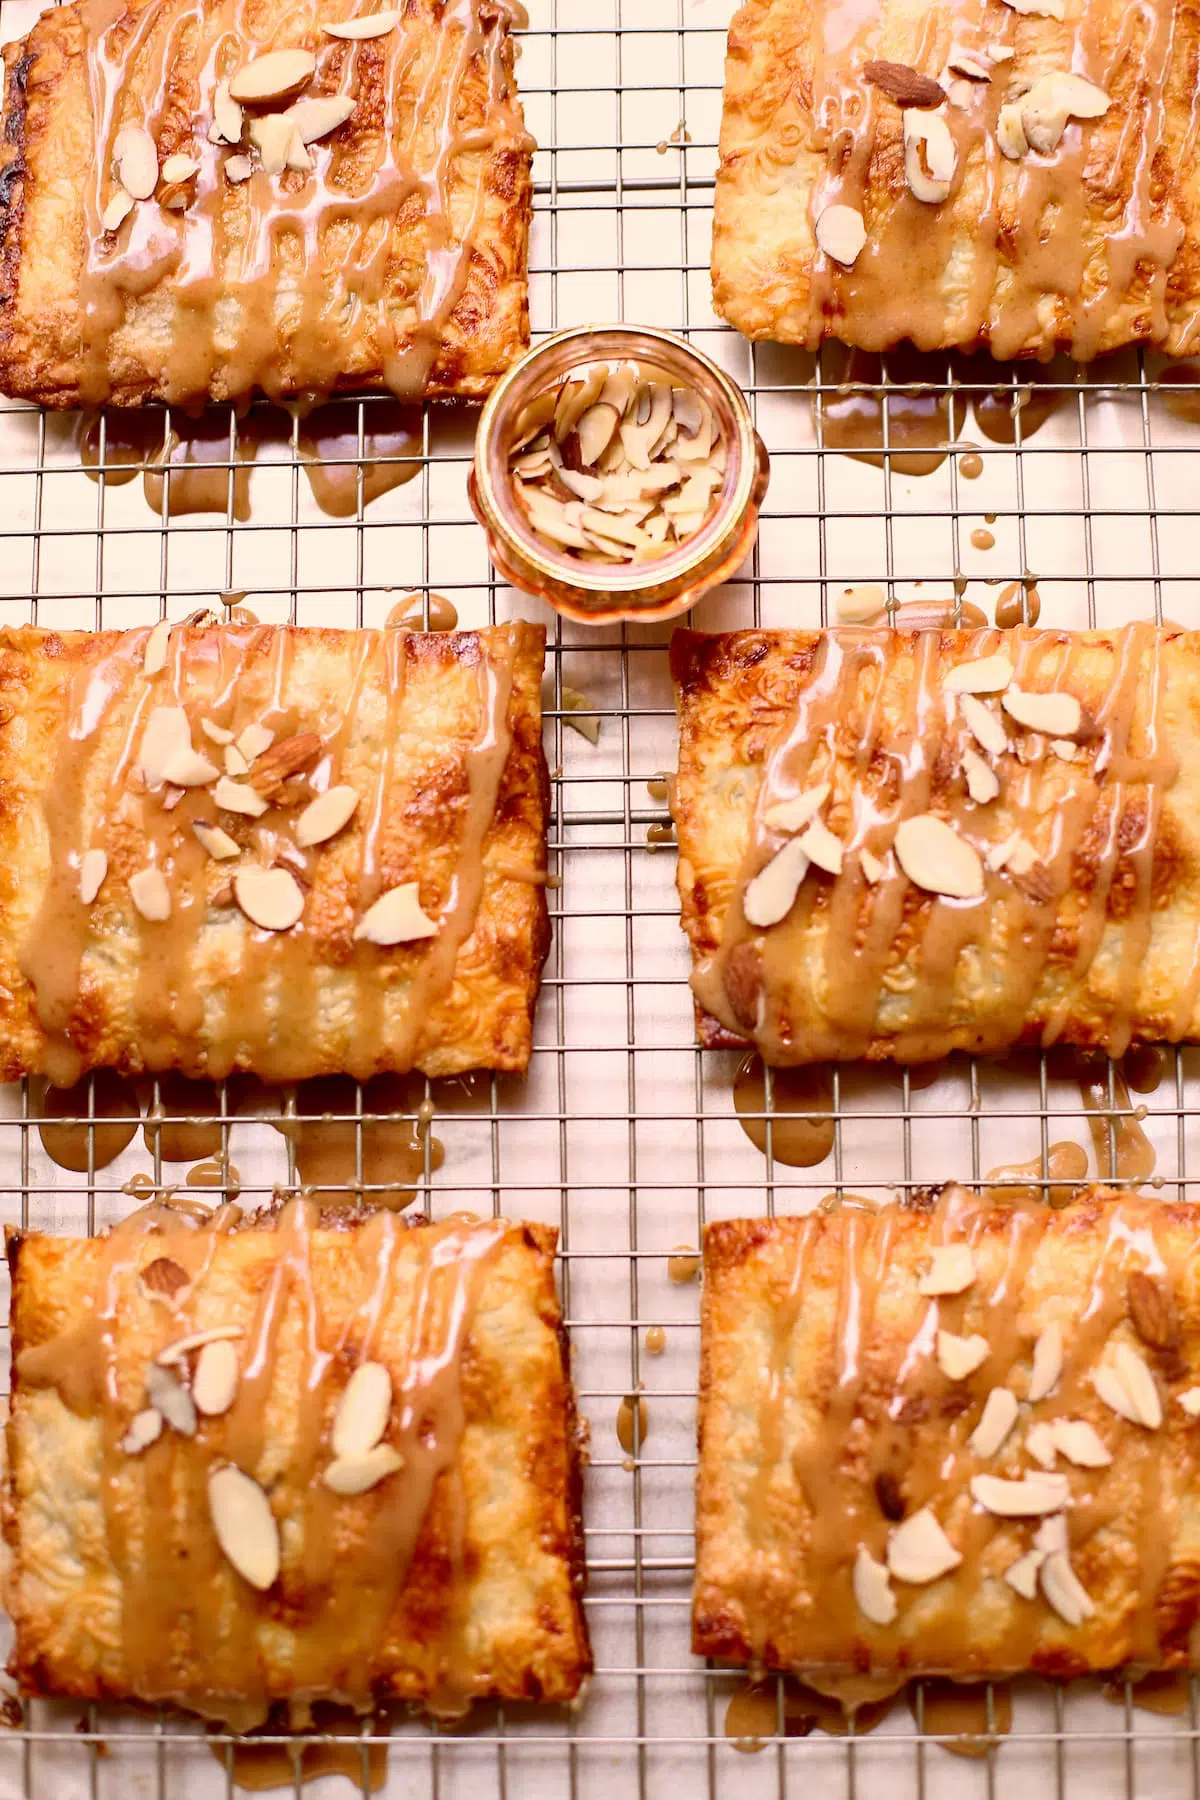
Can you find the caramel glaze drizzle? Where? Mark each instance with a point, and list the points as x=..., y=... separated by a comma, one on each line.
x=345, y=1563
x=96, y=799
x=887, y=970
x=1032, y=254
x=850, y=1398
x=308, y=259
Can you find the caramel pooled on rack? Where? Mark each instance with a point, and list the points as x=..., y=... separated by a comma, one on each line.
x=969, y=870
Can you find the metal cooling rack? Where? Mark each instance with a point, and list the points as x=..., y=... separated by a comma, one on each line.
x=623, y=1134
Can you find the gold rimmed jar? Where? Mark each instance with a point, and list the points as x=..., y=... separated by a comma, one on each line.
x=601, y=593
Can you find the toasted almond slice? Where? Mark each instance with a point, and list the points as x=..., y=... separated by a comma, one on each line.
x=997, y=857
x=362, y=1412
x=272, y=136
x=619, y=388
x=1047, y=1362
x=245, y=1525
x=181, y=1349
x=236, y=796
x=254, y=741
x=586, y=487
x=1063, y=1588
x=325, y=816
x=396, y=918
x=856, y=605
x=235, y=762
x=238, y=168
x=216, y=840
x=272, y=76
x=185, y=768
x=873, y=1589
x=951, y=1270
x=636, y=438
x=822, y=848
x=1064, y=749
x=1028, y=1498
x=1010, y=132
x=575, y=398
x=919, y=1551
x=154, y=656
x=983, y=784
x=930, y=155
x=841, y=233
x=966, y=62
x=794, y=815
x=1000, y=53
x=985, y=675
x=270, y=898
x=872, y=867
x=932, y=855
x=145, y=1428
x=1190, y=1402
x=366, y=25
x=1046, y=9
x=166, y=732
x=227, y=114
x=984, y=725
x=696, y=445
x=166, y=1392
x=180, y=168
x=580, y=714
x=595, y=430
x=117, y=211
x=997, y=1419
x=1041, y=1444
x=317, y=116
x=610, y=525
x=357, y=1474
x=1022, y=1575
x=1139, y=1383
x=150, y=894
x=215, y=1381
x=770, y=896
x=135, y=158
x=93, y=867
x=1021, y=855
x=958, y=1357
x=1081, y=1443
x=1059, y=715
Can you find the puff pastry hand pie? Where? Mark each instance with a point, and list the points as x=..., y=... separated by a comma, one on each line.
x=259, y=1465
x=160, y=242
x=959, y=1440
x=1003, y=177
x=293, y=852
x=893, y=845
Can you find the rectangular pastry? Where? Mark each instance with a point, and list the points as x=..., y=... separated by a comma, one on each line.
x=359, y=217
x=894, y=844
x=249, y=847
x=1022, y=178
x=249, y=1466
x=954, y=1439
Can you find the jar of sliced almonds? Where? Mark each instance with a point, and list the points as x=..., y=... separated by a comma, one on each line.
x=617, y=474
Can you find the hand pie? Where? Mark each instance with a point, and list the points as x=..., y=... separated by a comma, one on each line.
x=893, y=845
x=362, y=222
x=995, y=177
x=256, y=1465
x=270, y=849
x=958, y=1439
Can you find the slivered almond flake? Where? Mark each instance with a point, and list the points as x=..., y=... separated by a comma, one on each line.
x=362, y=1412
x=154, y=656
x=270, y=898
x=984, y=725
x=215, y=1380
x=1125, y=1384
x=983, y=784
x=1080, y=1443
x=1190, y=1402
x=117, y=211
x=996, y=1421
x=1028, y=1498
x=1046, y=9
x=1022, y=1575
x=871, y=866
x=236, y=796
x=185, y=768
x=579, y=713
x=235, y=763
x=772, y=893
x=165, y=733
x=166, y=1392
x=1064, y=749
x=1064, y=1590
x=366, y=25
x=985, y=675
x=227, y=114
x=150, y=894
x=357, y=1474
x=325, y=816
x=254, y=741
x=958, y=1357
x=135, y=159
x=951, y=1270
x=1040, y=1443
x=966, y=62
x=794, y=815
x=932, y=855
x=1047, y=1362
x=93, y=867
x=855, y=605
x=841, y=233
x=278, y=144
x=1054, y=100
x=245, y=1525
x=238, y=168
x=1059, y=715
x=919, y=1551
x=145, y=1428
x=216, y=840
x=823, y=850
x=930, y=156
x=873, y=1589
x=182, y=1348
x=180, y=168
x=1021, y=855
x=272, y=76
x=396, y=918
x=1010, y=132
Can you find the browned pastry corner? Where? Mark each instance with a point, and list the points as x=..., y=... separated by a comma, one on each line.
x=293, y=852
x=1005, y=178
x=327, y=1463
x=395, y=259
x=957, y=1440
x=894, y=844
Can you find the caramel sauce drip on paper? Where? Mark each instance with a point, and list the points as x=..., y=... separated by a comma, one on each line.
x=872, y=714
x=414, y=1312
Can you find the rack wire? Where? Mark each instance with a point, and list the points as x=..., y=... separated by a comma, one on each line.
x=624, y=1135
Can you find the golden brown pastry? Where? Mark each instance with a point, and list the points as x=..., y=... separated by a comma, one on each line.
x=893, y=844
x=1020, y=177
x=296, y=852
x=956, y=1439
x=390, y=251
x=256, y=1464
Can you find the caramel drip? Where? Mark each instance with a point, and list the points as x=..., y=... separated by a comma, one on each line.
x=410, y=612
x=306, y=260
x=64, y=1114
x=393, y=1141
x=966, y=1720
x=756, y=1713
x=260, y=1768
x=1033, y=254
x=796, y=1128
x=1122, y=1149
x=872, y=717
x=1066, y=1166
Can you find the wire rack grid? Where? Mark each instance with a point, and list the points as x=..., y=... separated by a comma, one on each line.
x=623, y=1134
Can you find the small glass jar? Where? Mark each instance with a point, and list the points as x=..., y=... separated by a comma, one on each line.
x=599, y=593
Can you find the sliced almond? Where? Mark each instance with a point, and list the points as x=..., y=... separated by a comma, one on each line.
x=270, y=898
x=254, y=741
x=1047, y=1362
x=181, y=1348
x=166, y=1392
x=1021, y=855
x=135, y=159
x=227, y=114
x=325, y=816
x=620, y=386
x=238, y=168
x=362, y=1412
x=575, y=398
x=145, y=1428
x=1081, y=1443
x=637, y=438
x=841, y=233
x=958, y=1357
x=951, y=1270
x=794, y=815
x=318, y=116
x=179, y=168
x=585, y=487
x=185, y=768
x=216, y=840
x=823, y=850
x=1028, y=1498
x=1000, y=53
x=983, y=784
x=165, y=734
x=1010, y=132
x=245, y=1525
x=966, y=62
x=366, y=25
x=696, y=443
x=276, y=140
x=856, y=605
x=150, y=894
x=237, y=797
x=1022, y=1575
x=154, y=656
x=985, y=675
x=357, y=1474
x=272, y=76
x=1190, y=1402
x=1064, y=1590
x=235, y=762
x=984, y=726
x=215, y=1381
x=873, y=1589
x=1064, y=749
x=1041, y=1444
x=1056, y=714
x=117, y=211
x=579, y=713
x=930, y=156
x=919, y=1551
x=1052, y=102
x=996, y=1421
x=935, y=858
x=396, y=918
x=871, y=866
x=93, y=867
x=595, y=429
x=1125, y=1384
x=1046, y=9
x=771, y=895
